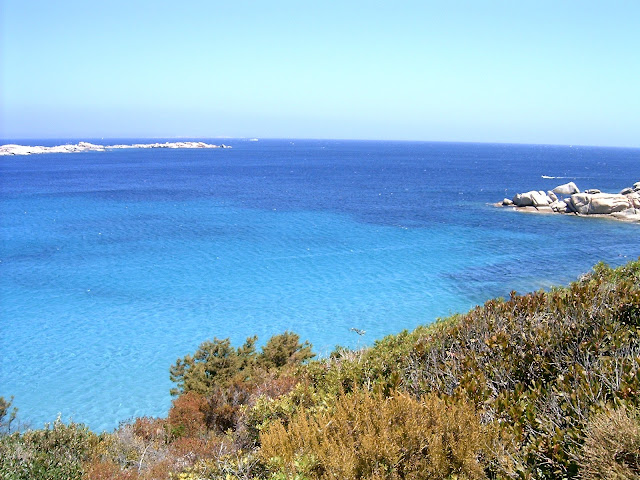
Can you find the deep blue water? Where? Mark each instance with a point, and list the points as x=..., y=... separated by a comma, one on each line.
x=112, y=265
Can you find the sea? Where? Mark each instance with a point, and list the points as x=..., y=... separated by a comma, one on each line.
x=114, y=264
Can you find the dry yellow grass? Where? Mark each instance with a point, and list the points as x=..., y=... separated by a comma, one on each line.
x=611, y=450
x=367, y=436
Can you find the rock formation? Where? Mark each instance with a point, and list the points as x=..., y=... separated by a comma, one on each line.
x=592, y=202
x=566, y=189
x=11, y=149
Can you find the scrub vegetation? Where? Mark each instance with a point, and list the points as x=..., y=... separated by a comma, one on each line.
x=538, y=386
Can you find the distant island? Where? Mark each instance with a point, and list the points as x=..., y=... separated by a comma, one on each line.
x=12, y=149
x=568, y=199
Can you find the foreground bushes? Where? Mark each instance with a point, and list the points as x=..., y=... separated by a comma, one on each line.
x=369, y=436
x=205, y=434
x=539, y=386
x=541, y=365
x=58, y=451
x=611, y=450
x=538, y=367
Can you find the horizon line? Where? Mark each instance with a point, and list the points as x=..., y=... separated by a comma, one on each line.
x=246, y=138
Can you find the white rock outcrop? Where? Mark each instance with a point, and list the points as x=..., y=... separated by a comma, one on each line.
x=522, y=199
x=540, y=199
x=622, y=206
x=566, y=189
x=12, y=149
x=532, y=199
x=559, y=206
x=598, y=203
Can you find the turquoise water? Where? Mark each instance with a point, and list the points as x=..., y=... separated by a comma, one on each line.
x=114, y=264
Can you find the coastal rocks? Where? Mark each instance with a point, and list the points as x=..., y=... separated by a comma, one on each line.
x=28, y=150
x=566, y=189
x=168, y=145
x=634, y=199
x=532, y=199
x=540, y=199
x=622, y=206
x=522, y=199
x=559, y=206
x=605, y=204
x=598, y=203
x=12, y=149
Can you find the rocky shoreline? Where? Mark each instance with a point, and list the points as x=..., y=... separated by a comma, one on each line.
x=12, y=149
x=568, y=199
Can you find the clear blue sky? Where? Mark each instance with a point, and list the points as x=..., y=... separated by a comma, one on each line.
x=564, y=72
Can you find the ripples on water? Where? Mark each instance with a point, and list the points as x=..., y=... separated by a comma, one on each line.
x=114, y=264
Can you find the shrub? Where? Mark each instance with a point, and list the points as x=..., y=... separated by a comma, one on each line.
x=151, y=429
x=538, y=365
x=541, y=364
x=135, y=447
x=369, y=436
x=611, y=450
x=538, y=386
x=7, y=415
x=224, y=406
x=187, y=415
x=284, y=349
x=227, y=466
x=98, y=469
x=56, y=452
x=217, y=363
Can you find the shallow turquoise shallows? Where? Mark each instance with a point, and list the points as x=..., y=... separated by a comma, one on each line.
x=114, y=264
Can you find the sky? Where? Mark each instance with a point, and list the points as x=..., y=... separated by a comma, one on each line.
x=517, y=71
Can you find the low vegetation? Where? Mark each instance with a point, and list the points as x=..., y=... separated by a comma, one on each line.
x=7, y=415
x=538, y=386
x=371, y=435
x=611, y=449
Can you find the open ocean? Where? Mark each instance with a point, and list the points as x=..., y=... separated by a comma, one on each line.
x=113, y=265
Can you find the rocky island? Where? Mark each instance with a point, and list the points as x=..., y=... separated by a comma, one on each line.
x=568, y=199
x=12, y=149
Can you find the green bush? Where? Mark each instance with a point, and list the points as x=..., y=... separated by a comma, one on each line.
x=56, y=452
x=7, y=415
x=217, y=364
x=285, y=349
